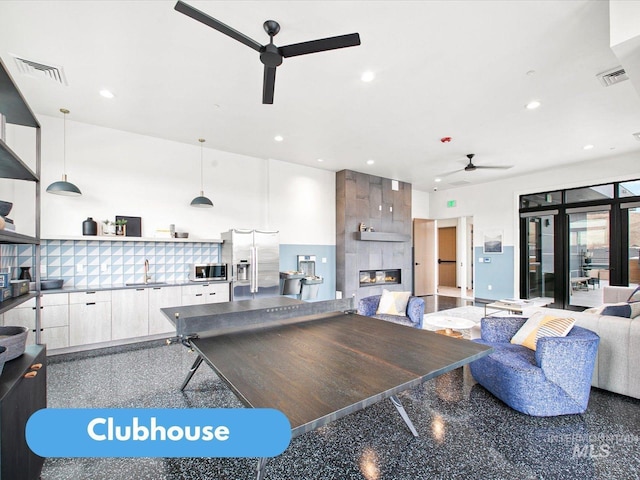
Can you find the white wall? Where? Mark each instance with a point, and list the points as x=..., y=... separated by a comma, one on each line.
x=419, y=204
x=302, y=203
x=122, y=173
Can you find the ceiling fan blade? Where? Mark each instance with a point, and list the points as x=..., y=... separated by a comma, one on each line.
x=268, y=85
x=504, y=167
x=324, y=44
x=202, y=17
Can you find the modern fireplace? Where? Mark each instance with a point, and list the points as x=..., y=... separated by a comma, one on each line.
x=379, y=277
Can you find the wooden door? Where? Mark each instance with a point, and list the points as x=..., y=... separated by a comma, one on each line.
x=447, y=257
x=424, y=257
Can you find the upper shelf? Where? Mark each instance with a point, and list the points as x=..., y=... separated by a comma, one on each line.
x=12, y=104
x=382, y=237
x=8, y=236
x=121, y=238
x=12, y=167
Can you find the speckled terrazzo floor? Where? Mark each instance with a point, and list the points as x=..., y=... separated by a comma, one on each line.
x=465, y=432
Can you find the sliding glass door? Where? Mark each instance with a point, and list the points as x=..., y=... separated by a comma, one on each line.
x=588, y=255
x=540, y=234
x=633, y=219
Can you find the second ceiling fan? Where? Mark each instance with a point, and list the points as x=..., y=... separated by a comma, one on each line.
x=270, y=55
x=471, y=166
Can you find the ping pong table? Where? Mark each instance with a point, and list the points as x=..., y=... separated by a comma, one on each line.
x=315, y=362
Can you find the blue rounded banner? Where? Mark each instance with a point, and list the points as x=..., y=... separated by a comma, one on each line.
x=158, y=432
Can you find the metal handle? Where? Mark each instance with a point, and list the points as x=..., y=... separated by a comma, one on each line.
x=446, y=261
x=30, y=374
x=36, y=366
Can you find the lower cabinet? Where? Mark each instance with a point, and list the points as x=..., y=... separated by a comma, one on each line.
x=89, y=317
x=205, y=293
x=129, y=313
x=162, y=297
x=54, y=320
x=23, y=390
x=84, y=318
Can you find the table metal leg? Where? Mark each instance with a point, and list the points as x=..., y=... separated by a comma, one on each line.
x=262, y=462
x=403, y=414
x=192, y=370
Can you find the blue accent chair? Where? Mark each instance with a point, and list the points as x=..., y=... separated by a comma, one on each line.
x=555, y=379
x=415, y=311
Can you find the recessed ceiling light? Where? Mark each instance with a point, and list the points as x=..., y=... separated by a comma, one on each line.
x=320, y=160
x=438, y=179
x=531, y=72
x=107, y=93
x=370, y=162
x=367, y=76
x=278, y=138
x=533, y=104
x=587, y=147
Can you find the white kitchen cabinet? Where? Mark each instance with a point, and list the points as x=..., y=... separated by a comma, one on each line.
x=162, y=297
x=89, y=317
x=54, y=319
x=22, y=316
x=205, y=293
x=129, y=313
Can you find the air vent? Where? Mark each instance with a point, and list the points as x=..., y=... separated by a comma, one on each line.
x=40, y=70
x=613, y=76
x=460, y=183
x=636, y=136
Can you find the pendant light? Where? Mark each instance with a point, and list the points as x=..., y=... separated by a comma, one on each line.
x=63, y=187
x=201, y=201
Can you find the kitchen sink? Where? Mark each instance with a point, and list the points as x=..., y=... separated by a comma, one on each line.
x=142, y=284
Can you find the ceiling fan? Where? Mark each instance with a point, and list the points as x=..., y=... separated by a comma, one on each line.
x=271, y=55
x=471, y=166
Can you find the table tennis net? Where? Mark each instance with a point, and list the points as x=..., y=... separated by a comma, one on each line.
x=227, y=322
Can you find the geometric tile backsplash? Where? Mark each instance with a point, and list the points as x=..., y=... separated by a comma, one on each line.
x=105, y=263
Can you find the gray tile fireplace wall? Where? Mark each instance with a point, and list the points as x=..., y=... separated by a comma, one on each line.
x=372, y=201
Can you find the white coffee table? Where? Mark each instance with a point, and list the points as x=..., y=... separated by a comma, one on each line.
x=444, y=321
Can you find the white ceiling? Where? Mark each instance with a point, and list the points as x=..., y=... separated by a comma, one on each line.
x=443, y=69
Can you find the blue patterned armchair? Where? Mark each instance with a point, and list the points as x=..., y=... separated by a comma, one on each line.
x=555, y=379
x=415, y=311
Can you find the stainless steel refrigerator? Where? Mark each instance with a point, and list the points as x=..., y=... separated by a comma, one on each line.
x=253, y=258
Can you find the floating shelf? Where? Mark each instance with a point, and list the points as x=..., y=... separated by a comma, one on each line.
x=122, y=238
x=382, y=237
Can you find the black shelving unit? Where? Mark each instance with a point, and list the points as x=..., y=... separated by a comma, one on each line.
x=20, y=395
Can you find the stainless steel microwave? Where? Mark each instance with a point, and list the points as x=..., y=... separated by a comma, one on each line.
x=201, y=272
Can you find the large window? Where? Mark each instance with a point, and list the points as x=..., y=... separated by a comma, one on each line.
x=574, y=242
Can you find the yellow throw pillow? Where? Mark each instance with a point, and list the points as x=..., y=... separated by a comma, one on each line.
x=393, y=303
x=540, y=325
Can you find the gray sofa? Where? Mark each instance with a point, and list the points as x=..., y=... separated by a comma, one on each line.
x=617, y=366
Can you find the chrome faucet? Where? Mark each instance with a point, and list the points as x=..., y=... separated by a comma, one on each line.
x=147, y=277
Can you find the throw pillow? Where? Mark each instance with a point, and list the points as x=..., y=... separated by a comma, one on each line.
x=621, y=309
x=635, y=296
x=393, y=303
x=540, y=325
x=626, y=310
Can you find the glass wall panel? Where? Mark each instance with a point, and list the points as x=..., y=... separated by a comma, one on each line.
x=629, y=189
x=634, y=246
x=541, y=199
x=540, y=244
x=588, y=257
x=589, y=194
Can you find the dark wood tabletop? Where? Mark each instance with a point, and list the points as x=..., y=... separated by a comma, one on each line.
x=319, y=368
